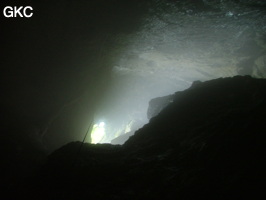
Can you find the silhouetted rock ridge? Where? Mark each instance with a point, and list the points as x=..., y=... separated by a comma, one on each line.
x=208, y=142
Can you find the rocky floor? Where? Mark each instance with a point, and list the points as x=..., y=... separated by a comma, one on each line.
x=209, y=142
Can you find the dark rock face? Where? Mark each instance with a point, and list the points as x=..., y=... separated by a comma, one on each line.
x=209, y=142
x=122, y=138
x=156, y=105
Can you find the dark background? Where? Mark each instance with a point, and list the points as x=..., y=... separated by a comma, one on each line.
x=55, y=66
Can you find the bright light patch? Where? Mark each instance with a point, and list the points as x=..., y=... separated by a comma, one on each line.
x=128, y=126
x=98, y=133
x=101, y=124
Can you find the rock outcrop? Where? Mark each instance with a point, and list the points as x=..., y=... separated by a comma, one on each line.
x=156, y=105
x=209, y=142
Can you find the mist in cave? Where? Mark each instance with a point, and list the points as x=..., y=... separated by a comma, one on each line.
x=79, y=68
x=175, y=44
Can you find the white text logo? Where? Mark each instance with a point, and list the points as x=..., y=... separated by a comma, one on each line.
x=18, y=12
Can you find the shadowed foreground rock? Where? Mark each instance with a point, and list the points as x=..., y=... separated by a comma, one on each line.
x=209, y=142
